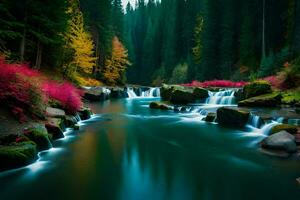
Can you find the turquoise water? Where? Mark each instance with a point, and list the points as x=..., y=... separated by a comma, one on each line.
x=131, y=152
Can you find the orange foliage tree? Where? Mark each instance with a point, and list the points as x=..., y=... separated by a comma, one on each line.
x=117, y=64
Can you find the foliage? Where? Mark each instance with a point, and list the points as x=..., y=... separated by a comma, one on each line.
x=179, y=74
x=216, y=83
x=117, y=64
x=80, y=41
x=65, y=93
x=197, y=35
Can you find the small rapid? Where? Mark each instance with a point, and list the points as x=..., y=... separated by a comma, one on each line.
x=152, y=92
x=224, y=97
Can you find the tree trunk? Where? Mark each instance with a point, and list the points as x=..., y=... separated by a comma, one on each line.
x=39, y=52
x=264, y=30
x=22, y=45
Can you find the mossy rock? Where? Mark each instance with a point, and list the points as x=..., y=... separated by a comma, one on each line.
x=292, y=129
x=211, y=117
x=167, y=90
x=39, y=135
x=267, y=100
x=256, y=88
x=232, y=117
x=200, y=93
x=291, y=98
x=85, y=113
x=184, y=96
x=17, y=155
x=55, y=131
x=70, y=121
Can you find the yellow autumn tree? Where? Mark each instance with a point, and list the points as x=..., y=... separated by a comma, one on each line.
x=80, y=41
x=117, y=64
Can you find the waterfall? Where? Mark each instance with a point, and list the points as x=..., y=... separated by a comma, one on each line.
x=150, y=93
x=266, y=129
x=225, y=97
x=254, y=121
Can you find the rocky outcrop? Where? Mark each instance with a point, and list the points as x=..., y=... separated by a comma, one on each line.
x=232, y=117
x=17, y=155
x=118, y=93
x=280, y=141
x=284, y=127
x=39, y=135
x=54, y=127
x=182, y=96
x=55, y=112
x=211, y=117
x=96, y=94
x=85, y=113
x=200, y=93
x=268, y=100
x=256, y=88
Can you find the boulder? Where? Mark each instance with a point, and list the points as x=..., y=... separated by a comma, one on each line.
x=232, y=117
x=268, y=100
x=256, y=88
x=39, y=135
x=284, y=127
x=182, y=96
x=85, y=113
x=118, y=93
x=70, y=121
x=161, y=106
x=17, y=155
x=53, y=127
x=280, y=141
x=200, y=93
x=167, y=90
x=96, y=94
x=55, y=112
x=211, y=117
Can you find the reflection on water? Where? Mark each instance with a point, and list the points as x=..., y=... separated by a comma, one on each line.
x=131, y=152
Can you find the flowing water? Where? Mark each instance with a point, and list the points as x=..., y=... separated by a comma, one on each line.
x=129, y=152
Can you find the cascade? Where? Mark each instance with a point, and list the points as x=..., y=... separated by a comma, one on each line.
x=151, y=93
x=225, y=97
x=254, y=121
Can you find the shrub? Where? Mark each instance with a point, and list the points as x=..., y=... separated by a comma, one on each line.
x=217, y=83
x=65, y=93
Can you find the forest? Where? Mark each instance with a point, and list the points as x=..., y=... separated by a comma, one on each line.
x=152, y=42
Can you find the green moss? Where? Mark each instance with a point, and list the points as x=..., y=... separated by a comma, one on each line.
x=85, y=113
x=17, y=155
x=284, y=127
x=39, y=135
x=291, y=98
x=200, y=93
x=267, y=100
x=256, y=88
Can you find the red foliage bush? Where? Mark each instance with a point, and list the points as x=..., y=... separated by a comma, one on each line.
x=25, y=90
x=274, y=81
x=65, y=93
x=216, y=83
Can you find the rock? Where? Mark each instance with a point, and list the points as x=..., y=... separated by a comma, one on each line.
x=210, y=117
x=200, y=93
x=76, y=127
x=284, y=127
x=177, y=109
x=280, y=141
x=167, y=90
x=161, y=106
x=182, y=96
x=118, y=93
x=85, y=113
x=17, y=155
x=154, y=105
x=268, y=100
x=39, y=135
x=55, y=112
x=96, y=94
x=297, y=138
x=53, y=127
x=256, y=88
x=70, y=121
x=232, y=117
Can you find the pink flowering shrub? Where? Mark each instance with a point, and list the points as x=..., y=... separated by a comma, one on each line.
x=216, y=83
x=274, y=81
x=68, y=96
x=27, y=91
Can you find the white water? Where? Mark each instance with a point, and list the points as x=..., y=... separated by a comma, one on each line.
x=225, y=97
x=254, y=121
x=151, y=93
x=266, y=129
